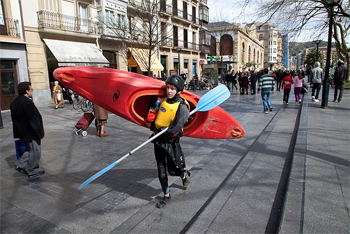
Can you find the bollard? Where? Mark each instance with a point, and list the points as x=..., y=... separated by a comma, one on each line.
x=1, y=124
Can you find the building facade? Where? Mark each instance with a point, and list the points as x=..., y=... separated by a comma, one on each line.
x=13, y=60
x=54, y=33
x=185, y=37
x=272, y=40
x=235, y=47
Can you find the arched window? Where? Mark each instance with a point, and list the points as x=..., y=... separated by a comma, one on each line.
x=212, y=46
x=254, y=57
x=242, y=54
x=249, y=54
x=226, y=45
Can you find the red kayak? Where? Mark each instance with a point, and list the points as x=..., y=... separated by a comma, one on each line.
x=128, y=95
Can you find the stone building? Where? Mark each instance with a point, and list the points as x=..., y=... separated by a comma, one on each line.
x=273, y=54
x=235, y=46
x=53, y=33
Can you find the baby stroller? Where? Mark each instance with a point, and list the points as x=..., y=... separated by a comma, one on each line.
x=83, y=123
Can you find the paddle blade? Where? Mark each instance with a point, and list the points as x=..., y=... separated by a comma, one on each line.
x=98, y=174
x=213, y=98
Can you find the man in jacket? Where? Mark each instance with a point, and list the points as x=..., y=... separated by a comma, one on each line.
x=316, y=77
x=340, y=76
x=266, y=84
x=28, y=127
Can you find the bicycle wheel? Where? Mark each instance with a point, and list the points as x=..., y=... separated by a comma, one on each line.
x=85, y=105
x=76, y=104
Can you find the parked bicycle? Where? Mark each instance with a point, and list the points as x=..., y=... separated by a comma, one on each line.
x=80, y=103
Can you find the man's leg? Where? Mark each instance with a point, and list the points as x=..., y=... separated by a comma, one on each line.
x=34, y=158
x=341, y=90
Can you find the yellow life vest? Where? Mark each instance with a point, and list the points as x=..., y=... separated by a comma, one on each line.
x=166, y=114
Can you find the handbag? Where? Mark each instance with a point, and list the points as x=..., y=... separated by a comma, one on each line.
x=21, y=147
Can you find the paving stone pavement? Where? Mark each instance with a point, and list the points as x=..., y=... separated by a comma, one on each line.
x=289, y=174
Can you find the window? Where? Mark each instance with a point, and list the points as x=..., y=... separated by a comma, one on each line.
x=3, y=30
x=175, y=36
x=109, y=17
x=185, y=10
x=83, y=17
x=274, y=50
x=121, y=21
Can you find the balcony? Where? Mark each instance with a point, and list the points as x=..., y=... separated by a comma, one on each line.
x=167, y=9
x=53, y=20
x=185, y=16
x=168, y=42
x=9, y=27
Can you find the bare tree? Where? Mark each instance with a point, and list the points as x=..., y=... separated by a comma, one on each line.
x=141, y=31
x=294, y=16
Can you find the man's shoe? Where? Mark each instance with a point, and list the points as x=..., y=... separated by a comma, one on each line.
x=186, y=179
x=163, y=202
x=316, y=100
x=21, y=170
x=36, y=176
x=271, y=109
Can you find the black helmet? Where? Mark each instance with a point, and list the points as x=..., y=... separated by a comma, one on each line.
x=340, y=62
x=177, y=81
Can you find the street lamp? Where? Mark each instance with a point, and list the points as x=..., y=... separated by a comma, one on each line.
x=317, y=42
x=325, y=88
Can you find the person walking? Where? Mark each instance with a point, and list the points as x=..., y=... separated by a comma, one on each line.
x=340, y=75
x=298, y=81
x=316, y=77
x=196, y=83
x=28, y=127
x=245, y=83
x=286, y=86
x=280, y=75
x=229, y=79
x=57, y=96
x=171, y=112
x=101, y=116
x=253, y=79
x=266, y=84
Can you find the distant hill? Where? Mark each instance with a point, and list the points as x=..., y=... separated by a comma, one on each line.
x=297, y=47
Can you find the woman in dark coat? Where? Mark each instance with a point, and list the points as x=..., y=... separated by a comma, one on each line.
x=245, y=83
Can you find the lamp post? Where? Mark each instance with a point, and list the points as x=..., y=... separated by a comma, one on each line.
x=325, y=88
x=317, y=43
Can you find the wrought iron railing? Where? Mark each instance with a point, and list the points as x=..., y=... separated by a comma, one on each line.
x=9, y=27
x=169, y=42
x=53, y=20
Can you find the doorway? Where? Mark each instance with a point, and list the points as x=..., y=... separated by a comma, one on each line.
x=8, y=84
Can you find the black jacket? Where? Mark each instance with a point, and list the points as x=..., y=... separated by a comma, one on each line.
x=341, y=75
x=26, y=119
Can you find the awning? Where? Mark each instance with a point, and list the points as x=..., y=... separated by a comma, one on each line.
x=141, y=57
x=70, y=53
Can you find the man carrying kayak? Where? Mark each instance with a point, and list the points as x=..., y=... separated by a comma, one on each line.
x=173, y=112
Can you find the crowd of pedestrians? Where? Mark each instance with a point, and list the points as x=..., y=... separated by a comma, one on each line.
x=268, y=80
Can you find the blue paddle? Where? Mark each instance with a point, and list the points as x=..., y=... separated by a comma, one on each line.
x=207, y=102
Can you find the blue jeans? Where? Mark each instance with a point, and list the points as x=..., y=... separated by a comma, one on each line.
x=265, y=95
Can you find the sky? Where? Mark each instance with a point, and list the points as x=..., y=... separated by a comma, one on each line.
x=232, y=11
